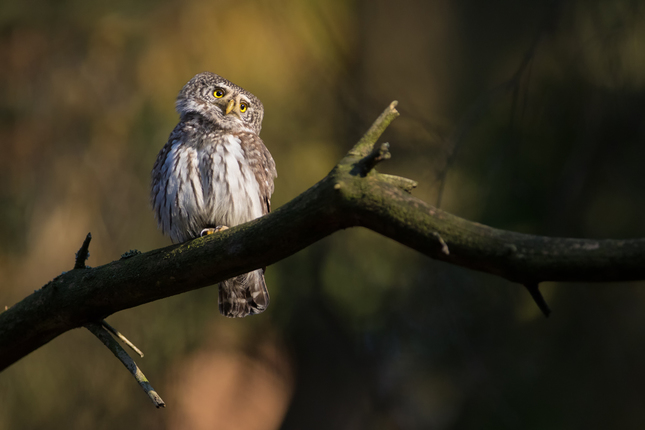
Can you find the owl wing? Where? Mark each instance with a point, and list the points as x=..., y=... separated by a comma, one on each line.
x=175, y=172
x=158, y=195
x=262, y=164
x=177, y=136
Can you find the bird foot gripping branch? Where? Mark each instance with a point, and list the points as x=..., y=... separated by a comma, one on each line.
x=210, y=230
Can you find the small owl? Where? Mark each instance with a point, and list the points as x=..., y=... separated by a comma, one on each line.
x=215, y=172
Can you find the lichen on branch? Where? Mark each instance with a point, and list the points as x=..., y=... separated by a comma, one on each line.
x=344, y=198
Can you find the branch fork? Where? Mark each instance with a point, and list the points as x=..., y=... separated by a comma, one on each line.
x=102, y=331
x=353, y=194
x=366, y=164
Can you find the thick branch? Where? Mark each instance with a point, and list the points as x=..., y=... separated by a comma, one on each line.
x=342, y=199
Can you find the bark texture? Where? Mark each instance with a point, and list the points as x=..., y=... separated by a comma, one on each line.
x=352, y=194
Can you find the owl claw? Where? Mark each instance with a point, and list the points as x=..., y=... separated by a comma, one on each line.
x=210, y=230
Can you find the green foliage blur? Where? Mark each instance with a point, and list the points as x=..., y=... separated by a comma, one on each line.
x=525, y=115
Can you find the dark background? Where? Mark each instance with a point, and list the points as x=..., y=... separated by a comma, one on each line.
x=532, y=111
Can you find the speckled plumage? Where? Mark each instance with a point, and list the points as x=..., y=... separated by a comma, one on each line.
x=215, y=171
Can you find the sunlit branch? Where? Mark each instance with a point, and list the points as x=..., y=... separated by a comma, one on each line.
x=351, y=195
x=104, y=336
x=120, y=335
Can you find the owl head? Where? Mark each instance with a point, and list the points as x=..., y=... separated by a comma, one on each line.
x=222, y=102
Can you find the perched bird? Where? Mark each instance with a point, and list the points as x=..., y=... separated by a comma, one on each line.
x=213, y=173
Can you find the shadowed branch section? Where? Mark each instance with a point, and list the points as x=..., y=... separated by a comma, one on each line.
x=346, y=197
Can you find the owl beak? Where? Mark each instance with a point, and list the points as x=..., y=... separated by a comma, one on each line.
x=230, y=106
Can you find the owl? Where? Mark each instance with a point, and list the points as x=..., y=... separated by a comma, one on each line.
x=213, y=173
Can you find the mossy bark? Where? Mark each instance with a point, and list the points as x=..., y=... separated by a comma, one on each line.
x=352, y=194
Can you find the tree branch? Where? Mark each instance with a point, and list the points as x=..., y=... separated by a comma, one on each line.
x=120, y=335
x=83, y=254
x=104, y=336
x=344, y=198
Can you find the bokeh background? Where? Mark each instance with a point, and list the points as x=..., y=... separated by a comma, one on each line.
x=526, y=115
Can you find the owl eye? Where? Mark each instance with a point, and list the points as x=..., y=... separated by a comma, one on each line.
x=218, y=93
x=243, y=107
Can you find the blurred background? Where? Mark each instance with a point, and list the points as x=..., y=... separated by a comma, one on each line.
x=527, y=115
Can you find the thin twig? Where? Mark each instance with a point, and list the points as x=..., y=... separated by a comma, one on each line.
x=100, y=332
x=120, y=335
x=366, y=144
x=84, y=253
x=405, y=184
x=444, y=245
x=538, y=298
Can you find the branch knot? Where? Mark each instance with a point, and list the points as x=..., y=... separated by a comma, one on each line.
x=366, y=164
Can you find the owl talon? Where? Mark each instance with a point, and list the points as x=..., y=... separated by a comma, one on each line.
x=210, y=230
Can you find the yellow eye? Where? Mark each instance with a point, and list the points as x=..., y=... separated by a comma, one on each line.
x=218, y=93
x=243, y=107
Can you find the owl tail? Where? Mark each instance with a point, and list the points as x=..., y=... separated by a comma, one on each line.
x=243, y=295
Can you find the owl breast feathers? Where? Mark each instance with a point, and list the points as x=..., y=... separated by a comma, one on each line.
x=214, y=172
